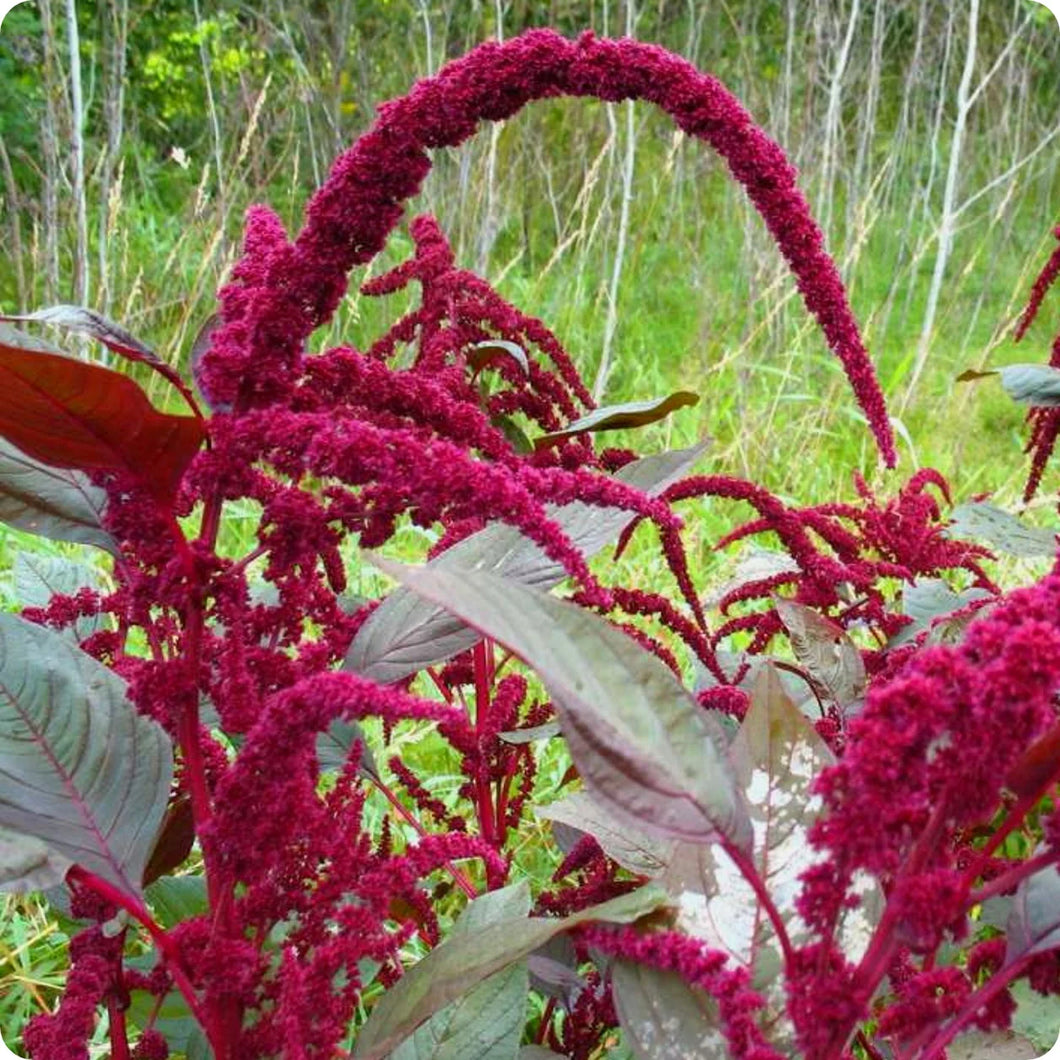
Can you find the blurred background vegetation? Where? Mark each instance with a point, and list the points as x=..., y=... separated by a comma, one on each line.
x=133, y=136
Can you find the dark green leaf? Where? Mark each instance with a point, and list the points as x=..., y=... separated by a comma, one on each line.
x=83, y=772
x=632, y=849
x=663, y=1017
x=405, y=633
x=826, y=653
x=56, y=503
x=335, y=743
x=172, y=1019
x=174, y=899
x=460, y=963
x=642, y=746
x=619, y=417
x=1037, y=1018
x=1034, y=923
x=517, y=437
x=487, y=1022
x=985, y=522
x=492, y=350
x=26, y=863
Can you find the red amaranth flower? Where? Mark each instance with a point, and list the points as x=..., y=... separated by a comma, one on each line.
x=281, y=292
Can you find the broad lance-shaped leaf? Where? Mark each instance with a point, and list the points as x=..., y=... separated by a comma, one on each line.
x=982, y=521
x=26, y=864
x=926, y=599
x=38, y=577
x=631, y=848
x=57, y=503
x=664, y=1018
x=465, y=960
x=1037, y=385
x=643, y=747
x=84, y=321
x=487, y=1022
x=1034, y=923
x=71, y=414
x=619, y=417
x=776, y=756
x=825, y=651
x=492, y=350
x=80, y=770
x=406, y=633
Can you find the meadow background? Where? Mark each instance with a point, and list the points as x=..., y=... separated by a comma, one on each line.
x=133, y=135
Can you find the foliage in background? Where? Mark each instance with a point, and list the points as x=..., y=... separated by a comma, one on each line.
x=843, y=841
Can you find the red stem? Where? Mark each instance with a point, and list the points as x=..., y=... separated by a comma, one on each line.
x=119, y=1038
x=163, y=942
x=750, y=874
x=1007, y=880
x=986, y=993
x=461, y=880
x=483, y=792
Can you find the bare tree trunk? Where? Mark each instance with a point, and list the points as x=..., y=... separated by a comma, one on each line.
x=628, y=167
x=115, y=35
x=82, y=268
x=50, y=136
x=14, y=212
x=830, y=150
x=948, y=222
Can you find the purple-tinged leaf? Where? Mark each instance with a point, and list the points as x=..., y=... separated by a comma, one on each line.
x=83, y=772
x=70, y=414
x=1037, y=385
x=1034, y=923
x=642, y=746
x=493, y=350
x=462, y=962
x=632, y=849
x=663, y=1017
x=826, y=653
x=619, y=417
x=535, y=732
x=88, y=322
x=27, y=864
x=487, y=1022
x=992, y=1045
x=757, y=564
x=554, y=971
x=38, y=577
x=926, y=600
x=406, y=633
x=57, y=503
x=985, y=522
x=336, y=742
x=202, y=343
x=776, y=757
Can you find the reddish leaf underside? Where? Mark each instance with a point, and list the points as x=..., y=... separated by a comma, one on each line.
x=71, y=414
